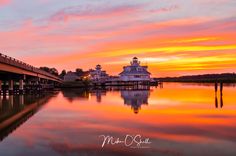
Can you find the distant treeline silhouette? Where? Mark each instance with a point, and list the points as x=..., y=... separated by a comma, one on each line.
x=224, y=77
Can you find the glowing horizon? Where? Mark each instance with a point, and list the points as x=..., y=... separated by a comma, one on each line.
x=172, y=37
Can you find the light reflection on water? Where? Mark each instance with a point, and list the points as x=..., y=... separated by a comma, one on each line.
x=179, y=119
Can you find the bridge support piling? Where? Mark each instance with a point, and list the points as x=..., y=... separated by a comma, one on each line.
x=11, y=101
x=21, y=86
x=11, y=87
x=0, y=102
x=38, y=84
x=0, y=87
x=21, y=100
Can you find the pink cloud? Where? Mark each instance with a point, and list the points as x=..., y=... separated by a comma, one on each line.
x=164, y=9
x=63, y=41
x=90, y=12
x=4, y=2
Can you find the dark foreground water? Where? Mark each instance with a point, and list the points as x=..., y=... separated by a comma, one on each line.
x=176, y=119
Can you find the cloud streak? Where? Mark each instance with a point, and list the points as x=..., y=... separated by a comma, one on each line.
x=78, y=12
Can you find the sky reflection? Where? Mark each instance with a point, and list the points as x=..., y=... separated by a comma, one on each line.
x=179, y=119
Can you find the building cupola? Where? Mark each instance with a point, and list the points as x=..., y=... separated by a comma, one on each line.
x=98, y=67
x=135, y=62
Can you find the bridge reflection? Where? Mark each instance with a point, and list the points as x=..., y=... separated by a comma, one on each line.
x=16, y=109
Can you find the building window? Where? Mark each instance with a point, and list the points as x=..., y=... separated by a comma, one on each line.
x=139, y=69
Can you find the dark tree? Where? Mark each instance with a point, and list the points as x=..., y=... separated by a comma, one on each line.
x=45, y=69
x=53, y=71
x=63, y=73
x=79, y=71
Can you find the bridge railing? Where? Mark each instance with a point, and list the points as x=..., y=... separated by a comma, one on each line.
x=17, y=63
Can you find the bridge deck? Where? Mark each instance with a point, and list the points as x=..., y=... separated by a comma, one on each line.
x=4, y=59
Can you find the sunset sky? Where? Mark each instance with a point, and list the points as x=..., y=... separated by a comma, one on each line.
x=172, y=37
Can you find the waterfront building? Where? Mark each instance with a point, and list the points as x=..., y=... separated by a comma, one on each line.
x=98, y=74
x=71, y=76
x=135, y=72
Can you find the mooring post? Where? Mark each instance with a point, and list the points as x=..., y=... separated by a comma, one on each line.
x=221, y=88
x=216, y=86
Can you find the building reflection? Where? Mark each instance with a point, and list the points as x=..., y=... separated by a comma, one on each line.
x=221, y=95
x=75, y=94
x=16, y=109
x=135, y=98
x=98, y=93
x=84, y=94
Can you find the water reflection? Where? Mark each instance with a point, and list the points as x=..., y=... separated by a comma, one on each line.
x=218, y=88
x=16, y=109
x=135, y=98
x=98, y=93
x=221, y=95
x=75, y=94
x=179, y=119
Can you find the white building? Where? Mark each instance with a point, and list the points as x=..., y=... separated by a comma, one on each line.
x=135, y=72
x=98, y=74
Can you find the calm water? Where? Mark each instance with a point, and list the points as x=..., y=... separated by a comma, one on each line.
x=178, y=119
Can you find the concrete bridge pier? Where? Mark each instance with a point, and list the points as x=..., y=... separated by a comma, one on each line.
x=38, y=84
x=21, y=81
x=32, y=85
x=0, y=102
x=27, y=86
x=21, y=100
x=0, y=87
x=11, y=101
x=21, y=86
x=43, y=83
x=10, y=87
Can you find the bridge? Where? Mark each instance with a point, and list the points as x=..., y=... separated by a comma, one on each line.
x=17, y=76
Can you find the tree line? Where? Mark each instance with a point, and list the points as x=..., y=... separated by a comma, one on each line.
x=224, y=77
x=55, y=72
